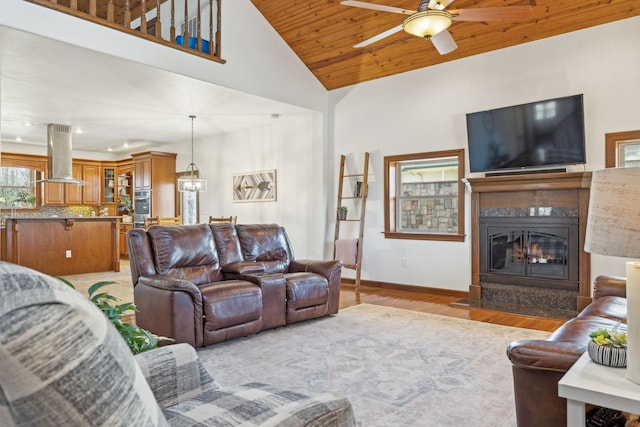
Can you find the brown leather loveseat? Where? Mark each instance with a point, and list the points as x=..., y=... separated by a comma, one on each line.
x=207, y=283
x=538, y=365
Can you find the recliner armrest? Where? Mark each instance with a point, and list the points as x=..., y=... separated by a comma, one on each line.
x=169, y=283
x=326, y=268
x=606, y=285
x=243, y=267
x=175, y=374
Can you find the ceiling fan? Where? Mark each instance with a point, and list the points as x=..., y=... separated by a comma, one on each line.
x=431, y=20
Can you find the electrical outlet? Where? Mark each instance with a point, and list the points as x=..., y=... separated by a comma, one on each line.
x=68, y=253
x=405, y=262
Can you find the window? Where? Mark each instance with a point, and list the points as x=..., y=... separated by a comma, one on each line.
x=424, y=196
x=622, y=149
x=16, y=187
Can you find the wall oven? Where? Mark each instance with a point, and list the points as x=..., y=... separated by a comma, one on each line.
x=141, y=206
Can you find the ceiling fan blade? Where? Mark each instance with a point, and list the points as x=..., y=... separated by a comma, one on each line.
x=443, y=42
x=373, y=6
x=380, y=36
x=506, y=13
x=439, y=4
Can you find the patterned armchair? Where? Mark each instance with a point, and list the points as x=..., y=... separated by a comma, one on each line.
x=62, y=363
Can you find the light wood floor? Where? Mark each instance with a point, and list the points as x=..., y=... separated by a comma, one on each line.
x=441, y=304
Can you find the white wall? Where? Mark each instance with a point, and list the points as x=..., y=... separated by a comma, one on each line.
x=424, y=110
x=292, y=148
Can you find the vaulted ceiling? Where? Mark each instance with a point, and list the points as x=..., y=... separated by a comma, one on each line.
x=322, y=33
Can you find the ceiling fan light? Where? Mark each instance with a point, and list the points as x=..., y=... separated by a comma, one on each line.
x=427, y=23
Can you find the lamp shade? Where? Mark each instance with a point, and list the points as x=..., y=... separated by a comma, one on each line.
x=427, y=23
x=613, y=222
x=613, y=228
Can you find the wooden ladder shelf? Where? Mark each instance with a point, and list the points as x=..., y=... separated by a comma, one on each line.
x=357, y=203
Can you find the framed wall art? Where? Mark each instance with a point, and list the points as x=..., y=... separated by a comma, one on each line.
x=255, y=186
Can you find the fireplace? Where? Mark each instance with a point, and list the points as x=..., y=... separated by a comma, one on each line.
x=526, y=240
x=530, y=251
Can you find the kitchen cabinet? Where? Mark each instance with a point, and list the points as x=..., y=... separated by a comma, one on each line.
x=53, y=194
x=143, y=174
x=89, y=192
x=156, y=171
x=91, y=189
x=59, y=194
x=109, y=187
x=125, y=186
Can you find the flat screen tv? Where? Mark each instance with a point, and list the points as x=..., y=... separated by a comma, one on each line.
x=539, y=134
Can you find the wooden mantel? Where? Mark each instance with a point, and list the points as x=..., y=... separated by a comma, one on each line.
x=556, y=189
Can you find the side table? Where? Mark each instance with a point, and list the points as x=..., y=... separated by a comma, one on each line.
x=588, y=382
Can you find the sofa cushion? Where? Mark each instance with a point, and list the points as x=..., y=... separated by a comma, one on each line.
x=611, y=307
x=230, y=303
x=62, y=362
x=306, y=290
x=227, y=243
x=187, y=252
x=258, y=404
x=267, y=244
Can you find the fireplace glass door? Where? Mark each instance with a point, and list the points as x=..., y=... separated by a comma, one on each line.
x=537, y=252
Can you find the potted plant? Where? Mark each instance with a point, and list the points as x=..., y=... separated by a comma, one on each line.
x=23, y=197
x=137, y=338
x=124, y=202
x=342, y=212
x=608, y=347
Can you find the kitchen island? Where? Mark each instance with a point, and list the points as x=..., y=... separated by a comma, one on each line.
x=61, y=246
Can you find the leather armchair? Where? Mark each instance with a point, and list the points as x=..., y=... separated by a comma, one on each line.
x=538, y=365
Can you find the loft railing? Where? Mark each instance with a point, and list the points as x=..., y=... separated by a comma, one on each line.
x=144, y=18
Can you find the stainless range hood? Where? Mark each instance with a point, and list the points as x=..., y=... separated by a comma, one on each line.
x=59, y=158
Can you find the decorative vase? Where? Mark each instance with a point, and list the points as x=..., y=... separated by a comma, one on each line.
x=615, y=357
x=342, y=215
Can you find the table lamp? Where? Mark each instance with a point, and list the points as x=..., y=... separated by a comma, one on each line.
x=613, y=228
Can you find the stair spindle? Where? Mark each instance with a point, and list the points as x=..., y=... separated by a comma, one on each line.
x=186, y=24
x=211, y=50
x=143, y=17
x=198, y=23
x=110, y=11
x=158, y=30
x=73, y=5
x=218, y=29
x=172, y=30
x=92, y=7
x=127, y=14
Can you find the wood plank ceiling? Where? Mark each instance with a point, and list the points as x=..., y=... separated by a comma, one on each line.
x=322, y=33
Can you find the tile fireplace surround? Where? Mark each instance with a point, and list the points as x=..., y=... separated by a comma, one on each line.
x=546, y=209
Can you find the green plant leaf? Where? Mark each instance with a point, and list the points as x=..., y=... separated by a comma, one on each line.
x=97, y=286
x=137, y=338
x=66, y=282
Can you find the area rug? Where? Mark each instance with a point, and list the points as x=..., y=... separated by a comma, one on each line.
x=397, y=367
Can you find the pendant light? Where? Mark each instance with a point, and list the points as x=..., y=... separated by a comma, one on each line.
x=192, y=181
